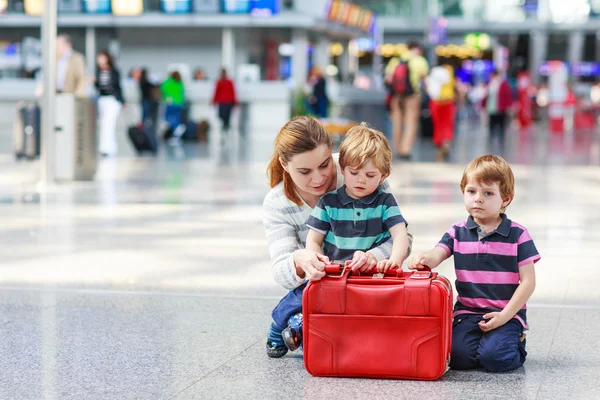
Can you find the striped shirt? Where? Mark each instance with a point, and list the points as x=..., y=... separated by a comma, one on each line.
x=354, y=224
x=487, y=265
x=286, y=230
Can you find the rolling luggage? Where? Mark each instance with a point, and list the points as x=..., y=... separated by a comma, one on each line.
x=143, y=138
x=373, y=326
x=26, y=130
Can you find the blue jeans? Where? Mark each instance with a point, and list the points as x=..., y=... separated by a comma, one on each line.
x=173, y=115
x=290, y=304
x=499, y=350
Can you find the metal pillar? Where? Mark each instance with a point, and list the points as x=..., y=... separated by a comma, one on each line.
x=48, y=105
x=90, y=48
x=300, y=57
x=228, y=51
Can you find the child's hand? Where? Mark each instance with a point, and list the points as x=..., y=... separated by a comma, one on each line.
x=495, y=320
x=362, y=261
x=418, y=261
x=385, y=265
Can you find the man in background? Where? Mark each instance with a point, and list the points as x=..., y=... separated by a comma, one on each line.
x=71, y=75
x=406, y=106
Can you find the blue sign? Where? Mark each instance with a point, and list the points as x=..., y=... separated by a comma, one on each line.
x=235, y=6
x=438, y=31
x=96, y=6
x=264, y=8
x=531, y=6
x=176, y=6
x=586, y=69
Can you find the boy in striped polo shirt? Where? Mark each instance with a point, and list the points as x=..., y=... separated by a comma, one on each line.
x=358, y=216
x=494, y=261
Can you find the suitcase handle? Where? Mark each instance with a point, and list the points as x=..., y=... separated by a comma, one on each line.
x=339, y=267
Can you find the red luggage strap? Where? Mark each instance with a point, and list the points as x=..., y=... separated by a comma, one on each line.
x=416, y=297
x=332, y=293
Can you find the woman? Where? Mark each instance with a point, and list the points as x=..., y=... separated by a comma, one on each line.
x=173, y=95
x=110, y=102
x=301, y=170
x=148, y=92
x=440, y=87
x=224, y=97
x=497, y=104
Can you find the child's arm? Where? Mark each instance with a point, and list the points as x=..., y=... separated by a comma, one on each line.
x=519, y=298
x=399, y=248
x=431, y=259
x=314, y=240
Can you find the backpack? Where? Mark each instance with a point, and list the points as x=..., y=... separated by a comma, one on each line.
x=401, y=80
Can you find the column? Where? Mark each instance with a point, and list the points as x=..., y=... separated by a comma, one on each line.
x=344, y=62
x=538, y=49
x=90, y=49
x=49, y=23
x=300, y=57
x=321, y=54
x=416, y=10
x=575, y=47
x=228, y=51
x=378, y=67
x=352, y=58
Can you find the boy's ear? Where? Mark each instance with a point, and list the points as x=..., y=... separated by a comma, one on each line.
x=283, y=164
x=383, y=178
x=507, y=201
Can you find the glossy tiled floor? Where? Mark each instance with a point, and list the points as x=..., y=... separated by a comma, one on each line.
x=153, y=282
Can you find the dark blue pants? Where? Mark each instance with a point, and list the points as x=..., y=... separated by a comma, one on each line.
x=225, y=114
x=290, y=304
x=173, y=115
x=498, y=350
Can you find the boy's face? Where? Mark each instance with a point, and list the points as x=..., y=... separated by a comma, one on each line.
x=361, y=182
x=483, y=201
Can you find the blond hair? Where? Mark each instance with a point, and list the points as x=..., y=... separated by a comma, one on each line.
x=363, y=144
x=491, y=169
x=298, y=135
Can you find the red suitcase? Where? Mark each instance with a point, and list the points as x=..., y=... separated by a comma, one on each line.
x=394, y=326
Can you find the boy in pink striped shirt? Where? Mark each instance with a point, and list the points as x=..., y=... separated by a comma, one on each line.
x=494, y=260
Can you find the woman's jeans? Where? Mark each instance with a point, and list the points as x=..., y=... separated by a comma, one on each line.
x=173, y=115
x=289, y=305
x=149, y=112
x=225, y=114
x=108, y=113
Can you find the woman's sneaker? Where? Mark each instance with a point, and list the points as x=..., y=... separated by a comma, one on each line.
x=292, y=335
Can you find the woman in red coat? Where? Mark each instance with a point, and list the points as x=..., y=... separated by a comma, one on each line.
x=497, y=103
x=224, y=98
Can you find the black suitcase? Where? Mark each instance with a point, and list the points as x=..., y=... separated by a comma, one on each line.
x=26, y=130
x=143, y=138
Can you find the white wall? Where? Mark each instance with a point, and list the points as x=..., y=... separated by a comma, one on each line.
x=156, y=48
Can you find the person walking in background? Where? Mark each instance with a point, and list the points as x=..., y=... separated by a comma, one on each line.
x=318, y=98
x=403, y=78
x=150, y=95
x=441, y=90
x=71, y=74
x=110, y=102
x=224, y=98
x=497, y=104
x=173, y=95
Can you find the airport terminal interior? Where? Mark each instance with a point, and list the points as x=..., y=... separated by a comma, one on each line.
x=152, y=279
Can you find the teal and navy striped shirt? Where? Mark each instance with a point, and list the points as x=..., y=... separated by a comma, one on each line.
x=354, y=224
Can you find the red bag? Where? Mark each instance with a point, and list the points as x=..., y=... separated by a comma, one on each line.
x=374, y=326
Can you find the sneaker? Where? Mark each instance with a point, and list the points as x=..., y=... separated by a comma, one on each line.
x=292, y=338
x=275, y=351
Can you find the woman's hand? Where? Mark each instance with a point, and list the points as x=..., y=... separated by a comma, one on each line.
x=362, y=261
x=310, y=265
